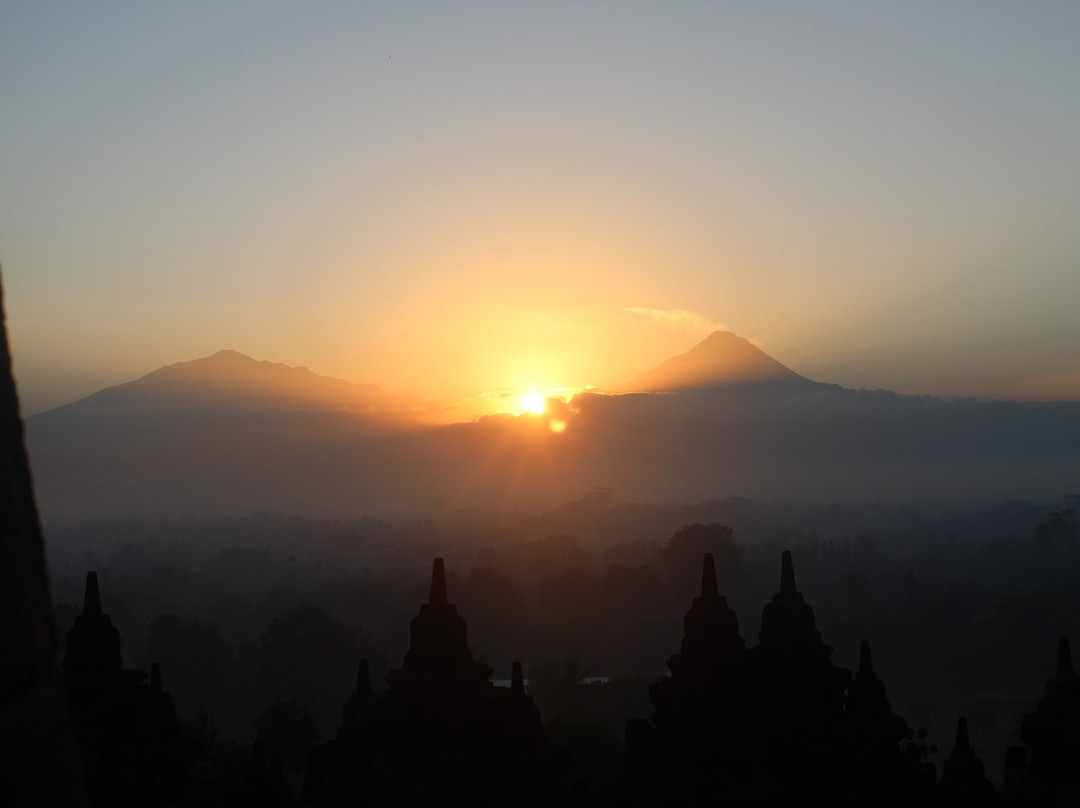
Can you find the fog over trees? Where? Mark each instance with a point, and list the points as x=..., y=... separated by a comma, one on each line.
x=963, y=604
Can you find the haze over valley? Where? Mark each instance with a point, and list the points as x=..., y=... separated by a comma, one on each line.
x=229, y=434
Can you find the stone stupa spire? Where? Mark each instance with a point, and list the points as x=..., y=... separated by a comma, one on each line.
x=963, y=773
x=866, y=695
x=710, y=665
x=792, y=664
x=437, y=597
x=787, y=621
x=866, y=664
x=438, y=649
x=93, y=643
x=787, y=575
x=708, y=578
x=92, y=596
x=1053, y=730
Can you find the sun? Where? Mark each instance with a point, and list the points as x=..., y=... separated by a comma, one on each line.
x=533, y=403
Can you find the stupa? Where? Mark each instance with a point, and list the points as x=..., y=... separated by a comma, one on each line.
x=440, y=732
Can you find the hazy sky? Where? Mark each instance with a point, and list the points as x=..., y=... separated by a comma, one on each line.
x=449, y=198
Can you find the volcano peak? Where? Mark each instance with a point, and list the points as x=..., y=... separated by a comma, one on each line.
x=721, y=360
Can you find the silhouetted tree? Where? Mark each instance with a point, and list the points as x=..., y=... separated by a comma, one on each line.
x=1059, y=529
x=196, y=658
x=245, y=570
x=490, y=588
x=497, y=611
x=288, y=729
x=554, y=553
x=306, y=655
x=631, y=589
x=568, y=691
x=570, y=593
x=638, y=553
x=1021, y=626
x=685, y=549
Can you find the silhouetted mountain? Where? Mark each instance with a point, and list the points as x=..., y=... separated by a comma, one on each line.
x=228, y=435
x=229, y=380
x=720, y=361
x=224, y=434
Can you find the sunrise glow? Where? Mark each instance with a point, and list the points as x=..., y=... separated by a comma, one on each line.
x=533, y=404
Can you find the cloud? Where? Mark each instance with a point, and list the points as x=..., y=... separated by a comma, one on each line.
x=679, y=320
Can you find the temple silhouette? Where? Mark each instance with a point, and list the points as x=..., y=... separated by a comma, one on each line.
x=127, y=727
x=1053, y=733
x=440, y=734
x=778, y=724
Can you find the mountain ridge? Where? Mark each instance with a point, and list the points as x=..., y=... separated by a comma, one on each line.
x=722, y=360
x=160, y=445
x=229, y=378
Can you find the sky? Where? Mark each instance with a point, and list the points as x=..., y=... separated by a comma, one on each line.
x=456, y=199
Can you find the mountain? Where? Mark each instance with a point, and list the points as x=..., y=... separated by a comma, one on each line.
x=223, y=434
x=229, y=435
x=720, y=361
x=229, y=380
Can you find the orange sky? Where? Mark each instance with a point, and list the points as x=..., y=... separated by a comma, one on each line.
x=466, y=200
